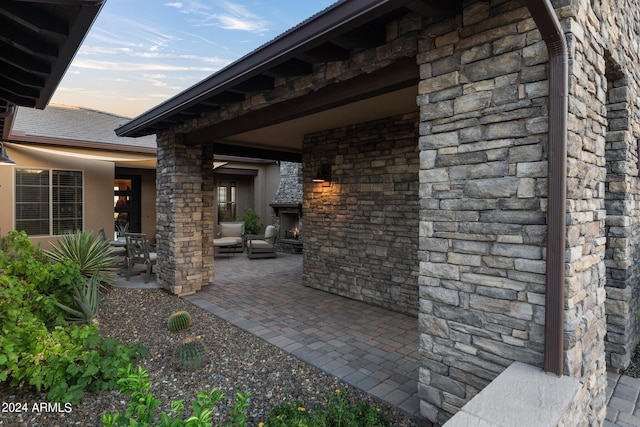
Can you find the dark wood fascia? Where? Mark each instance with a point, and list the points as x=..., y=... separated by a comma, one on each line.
x=399, y=75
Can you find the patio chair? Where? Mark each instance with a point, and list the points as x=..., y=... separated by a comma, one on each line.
x=119, y=251
x=138, y=253
x=230, y=237
x=263, y=246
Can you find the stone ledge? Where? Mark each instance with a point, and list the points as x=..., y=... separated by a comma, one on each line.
x=522, y=396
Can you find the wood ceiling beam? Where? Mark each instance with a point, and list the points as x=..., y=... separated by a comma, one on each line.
x=22, y=60
x=435, y=8
x=26, y=40
x=16, y=99
x=19, y=89
x=327, y=52
x=34, y=21
x=401, y=74
x=11, y=72
x=255, y=153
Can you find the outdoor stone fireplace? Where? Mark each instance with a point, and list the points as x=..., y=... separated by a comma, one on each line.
x=287, y=208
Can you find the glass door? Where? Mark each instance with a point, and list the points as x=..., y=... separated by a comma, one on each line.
x=126, y=204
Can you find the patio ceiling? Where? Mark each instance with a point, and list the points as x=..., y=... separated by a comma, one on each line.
x=276, y=132
x=38, y=40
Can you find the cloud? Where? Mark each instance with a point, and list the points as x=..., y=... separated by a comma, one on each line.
x=227, y=15
x=150, y=54
x=124, y=66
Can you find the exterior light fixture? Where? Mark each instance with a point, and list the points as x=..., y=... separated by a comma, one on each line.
x=324, y=175
x=4, y=157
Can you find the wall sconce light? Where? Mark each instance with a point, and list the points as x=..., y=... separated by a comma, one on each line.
x=324, y=175
x=4, y=157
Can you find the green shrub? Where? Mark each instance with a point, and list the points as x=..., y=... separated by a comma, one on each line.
x=92, y=253
x=21, y=259
x=252, y=223
x=85, y=302
x=65, y=361
x=339, y=411
x=38, y=347
x=142, y=404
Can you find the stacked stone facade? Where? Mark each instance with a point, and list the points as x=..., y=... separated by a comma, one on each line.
x=361, y=233
x=483, y=187
x=288, y=201
x=442, y=212
x=290, y=188
x=183, y=265
x=620, y=89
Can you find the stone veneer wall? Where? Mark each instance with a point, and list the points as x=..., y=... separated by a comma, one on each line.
x=361, y=234
x=483, y=186
x=617, y=52
x=290, y=186
x=482, y=189
x=182, y=266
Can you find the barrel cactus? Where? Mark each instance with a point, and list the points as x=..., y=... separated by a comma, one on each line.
x=179, y=321
x=190, y=354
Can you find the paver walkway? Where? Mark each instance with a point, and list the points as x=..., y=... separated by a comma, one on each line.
x=623, y=401
x=370, y=348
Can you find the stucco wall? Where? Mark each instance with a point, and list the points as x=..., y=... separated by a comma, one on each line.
x=98, y=188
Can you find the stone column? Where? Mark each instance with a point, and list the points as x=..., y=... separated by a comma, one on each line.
x=209, y=214
x=179, y=215
x=483, y=194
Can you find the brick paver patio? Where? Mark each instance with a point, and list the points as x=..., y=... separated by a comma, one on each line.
x=368, y=347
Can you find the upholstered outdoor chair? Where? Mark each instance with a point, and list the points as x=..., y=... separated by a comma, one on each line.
x=263, y=246
x=138, y=253
x=230, y=237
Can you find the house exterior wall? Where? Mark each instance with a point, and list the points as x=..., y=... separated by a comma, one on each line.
x=483, y=188
x=481, y=150
x=614, y=36
x=254, y=192
x=361, y=233
x=97, y=181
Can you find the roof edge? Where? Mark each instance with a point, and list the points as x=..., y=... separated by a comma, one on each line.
x=312, y=32
x=73, y=143
x=89, y=10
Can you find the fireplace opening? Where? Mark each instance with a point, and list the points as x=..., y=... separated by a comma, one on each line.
x=287, y=208
x=290, y=226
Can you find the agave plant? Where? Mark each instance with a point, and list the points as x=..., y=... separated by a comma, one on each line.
x=92, y=254
x=84, y=307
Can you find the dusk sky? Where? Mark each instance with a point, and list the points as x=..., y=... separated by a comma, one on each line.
x=139, y=53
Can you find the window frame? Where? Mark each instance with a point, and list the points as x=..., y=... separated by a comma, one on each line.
x=232, y=187
x=53, y=188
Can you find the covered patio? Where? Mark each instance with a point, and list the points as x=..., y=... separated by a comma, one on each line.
x=368, y=347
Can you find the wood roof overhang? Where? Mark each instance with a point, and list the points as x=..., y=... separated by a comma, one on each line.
x=38, y=40
x=331, y=35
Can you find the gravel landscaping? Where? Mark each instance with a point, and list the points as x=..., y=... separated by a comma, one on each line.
x=238, y=362
x=633, y=370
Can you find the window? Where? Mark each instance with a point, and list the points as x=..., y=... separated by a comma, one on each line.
x=227, y=201
x=48, y=202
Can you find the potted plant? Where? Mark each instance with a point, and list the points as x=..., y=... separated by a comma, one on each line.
x=122, y=227
x=252, y=223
